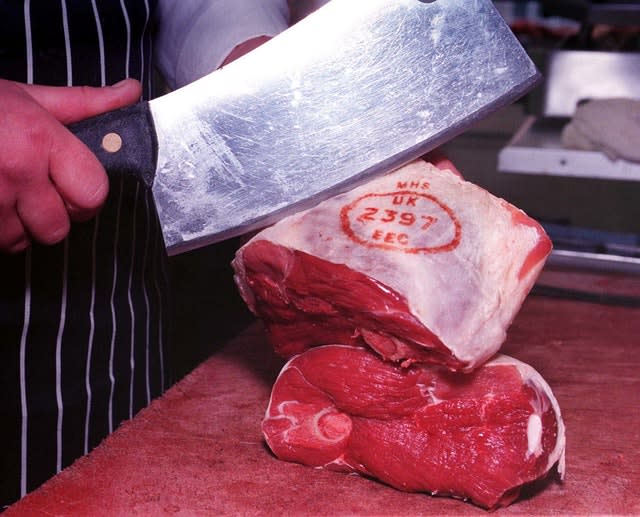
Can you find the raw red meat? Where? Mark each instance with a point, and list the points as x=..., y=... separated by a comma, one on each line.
x=477, y=436
x=420, y=265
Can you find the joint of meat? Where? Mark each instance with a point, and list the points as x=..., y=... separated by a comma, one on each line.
x=391, y=302
x=419, y=265
x=478, y=436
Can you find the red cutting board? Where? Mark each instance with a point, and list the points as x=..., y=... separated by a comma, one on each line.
x=198, y=450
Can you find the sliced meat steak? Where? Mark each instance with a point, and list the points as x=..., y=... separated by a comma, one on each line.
x=420, y=265
x=477, y=436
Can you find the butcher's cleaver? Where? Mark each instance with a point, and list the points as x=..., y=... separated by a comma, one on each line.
x=354, y=90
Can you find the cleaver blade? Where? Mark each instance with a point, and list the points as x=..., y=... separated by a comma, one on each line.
x=354, y=90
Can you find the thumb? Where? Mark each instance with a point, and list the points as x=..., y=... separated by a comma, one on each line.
x=74, y=103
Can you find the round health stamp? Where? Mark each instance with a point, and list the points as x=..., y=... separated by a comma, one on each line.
x=405, y=220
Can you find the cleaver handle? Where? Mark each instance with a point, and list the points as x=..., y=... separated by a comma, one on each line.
x=124, y=141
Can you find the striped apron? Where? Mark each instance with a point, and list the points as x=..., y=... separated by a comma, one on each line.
x=83, y=324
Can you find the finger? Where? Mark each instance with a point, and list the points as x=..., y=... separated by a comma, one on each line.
x=78, y=176
x=13, y=236
x=20, y=245
x=43, y=215
x=440, y=160
x=80, y=215
x=244, y=48
x=71, y=104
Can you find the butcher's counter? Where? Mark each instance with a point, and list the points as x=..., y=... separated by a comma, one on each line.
x=198, y=450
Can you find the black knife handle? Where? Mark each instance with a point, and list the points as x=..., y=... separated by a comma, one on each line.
x=124, y=141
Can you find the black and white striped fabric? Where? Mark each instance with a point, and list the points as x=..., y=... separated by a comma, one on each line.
x=83, y=324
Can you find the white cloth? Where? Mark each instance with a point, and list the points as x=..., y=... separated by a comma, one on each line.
x=195, y=36
x=611, y=126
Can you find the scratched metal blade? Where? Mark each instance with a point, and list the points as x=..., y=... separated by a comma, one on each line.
x=352, y=91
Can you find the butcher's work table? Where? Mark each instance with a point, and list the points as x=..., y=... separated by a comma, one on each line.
x=199, y=451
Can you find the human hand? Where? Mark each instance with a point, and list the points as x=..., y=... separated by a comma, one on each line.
x=440, y=160
x=244, y=48
x=48, y=177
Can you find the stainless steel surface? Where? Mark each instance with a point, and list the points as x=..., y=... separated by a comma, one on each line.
x=354, y=90
x=594, y=262
x=574, y=75
x=537, y=149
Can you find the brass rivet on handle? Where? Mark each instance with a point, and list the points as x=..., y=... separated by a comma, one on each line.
x=112, y=142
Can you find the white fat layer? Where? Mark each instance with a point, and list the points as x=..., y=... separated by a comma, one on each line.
x=534, y=435
x=338, y=462
x=479, y=290
x=318, y=431
x=428, y=392
x=531, y=376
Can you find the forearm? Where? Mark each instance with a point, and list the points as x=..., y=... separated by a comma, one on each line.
x=195, y=36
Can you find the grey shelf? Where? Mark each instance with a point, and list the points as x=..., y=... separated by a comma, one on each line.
x=536, y=148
